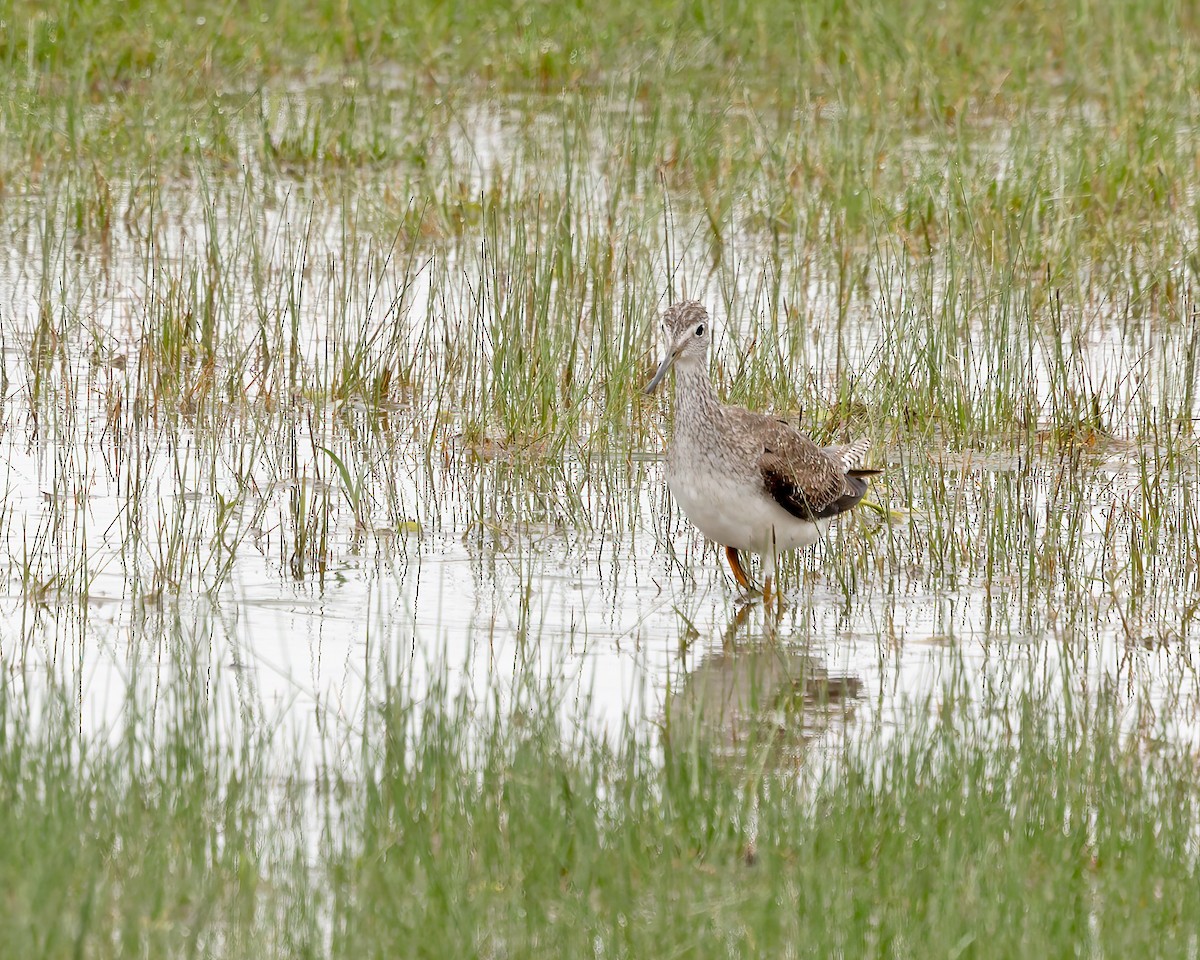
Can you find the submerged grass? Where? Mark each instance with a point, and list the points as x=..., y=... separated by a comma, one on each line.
x=290, y=285
x=291, y=301
x=455, y=830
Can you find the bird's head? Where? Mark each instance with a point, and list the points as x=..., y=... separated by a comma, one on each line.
x=686, y=330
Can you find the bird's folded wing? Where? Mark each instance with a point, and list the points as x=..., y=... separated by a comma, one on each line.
x=802, y=478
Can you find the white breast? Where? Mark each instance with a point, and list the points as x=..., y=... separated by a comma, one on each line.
x=738, y=516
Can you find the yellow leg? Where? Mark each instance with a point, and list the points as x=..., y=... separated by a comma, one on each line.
x=735, y=564
x=768, y=583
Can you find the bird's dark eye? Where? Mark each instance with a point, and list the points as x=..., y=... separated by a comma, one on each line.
x=700, y=330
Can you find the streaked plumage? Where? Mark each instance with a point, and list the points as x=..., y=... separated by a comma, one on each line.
x=748, y=481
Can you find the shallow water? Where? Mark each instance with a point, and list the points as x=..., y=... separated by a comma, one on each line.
x=139, y=530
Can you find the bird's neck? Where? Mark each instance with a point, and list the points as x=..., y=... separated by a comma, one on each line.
x=696, y=401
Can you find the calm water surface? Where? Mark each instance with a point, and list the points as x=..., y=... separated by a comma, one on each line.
x=132, y=541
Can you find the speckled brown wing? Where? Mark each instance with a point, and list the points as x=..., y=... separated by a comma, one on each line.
x=805, y=480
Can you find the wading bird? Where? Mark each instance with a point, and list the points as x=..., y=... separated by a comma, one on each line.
x=746, y=480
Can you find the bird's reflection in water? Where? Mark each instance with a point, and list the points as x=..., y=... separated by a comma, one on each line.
x=760, y=693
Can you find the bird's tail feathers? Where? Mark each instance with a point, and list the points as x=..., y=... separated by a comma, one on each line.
x=850, y=456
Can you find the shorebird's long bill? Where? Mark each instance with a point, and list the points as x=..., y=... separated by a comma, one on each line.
x=660, y=373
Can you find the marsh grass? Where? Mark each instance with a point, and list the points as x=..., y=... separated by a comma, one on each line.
x=458, y=827
x=396, y=338
x=290, y=290
x=281, y=369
